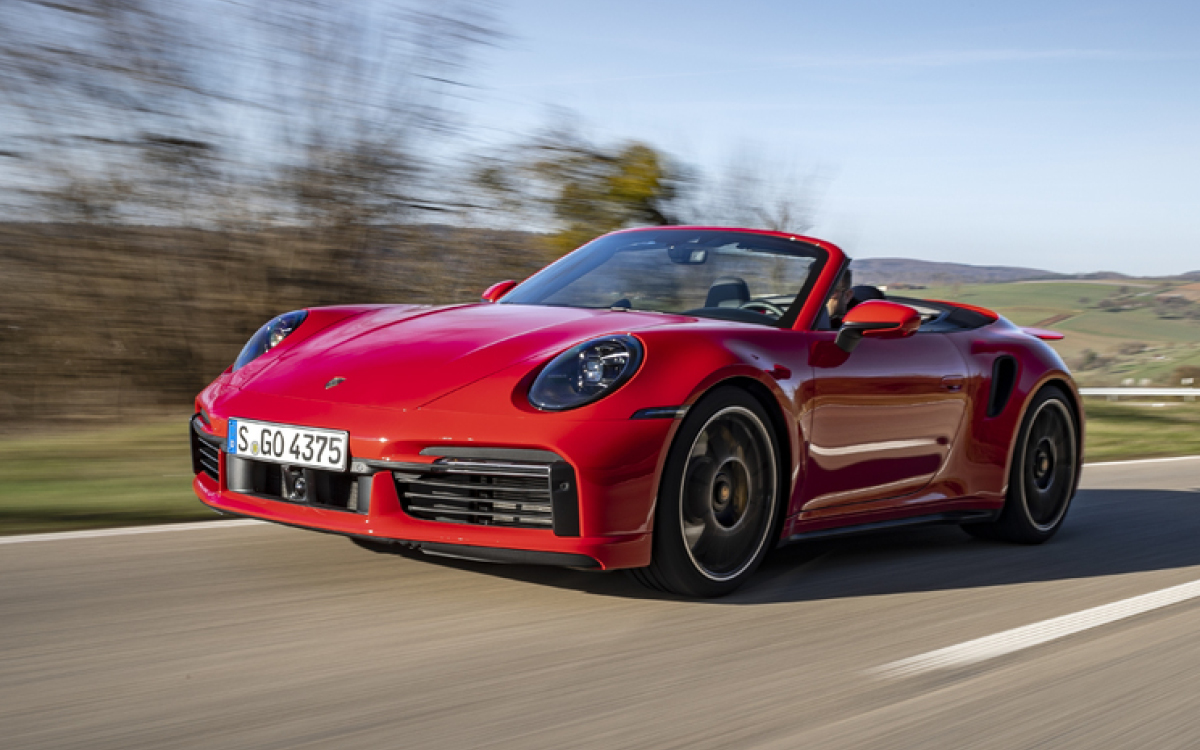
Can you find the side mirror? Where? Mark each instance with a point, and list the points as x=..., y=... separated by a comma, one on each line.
x=877, y=319
x=498, y=290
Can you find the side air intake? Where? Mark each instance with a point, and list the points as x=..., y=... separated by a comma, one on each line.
x=1004, y=379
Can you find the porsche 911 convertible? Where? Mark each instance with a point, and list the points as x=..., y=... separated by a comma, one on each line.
x=676, y=401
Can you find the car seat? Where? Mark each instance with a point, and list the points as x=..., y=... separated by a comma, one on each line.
x=727, y=291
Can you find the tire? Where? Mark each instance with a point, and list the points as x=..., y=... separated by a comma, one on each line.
x=1041, y=482
x=718, y=503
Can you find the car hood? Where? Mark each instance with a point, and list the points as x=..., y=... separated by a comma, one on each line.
x=404, y=357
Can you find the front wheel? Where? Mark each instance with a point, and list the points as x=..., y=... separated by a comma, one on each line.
x=718, y=501
x=1042, y=480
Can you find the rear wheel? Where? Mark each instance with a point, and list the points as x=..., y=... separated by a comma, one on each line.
x=1042, y=480
x=718, y=501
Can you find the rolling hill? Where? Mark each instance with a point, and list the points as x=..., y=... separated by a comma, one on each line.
x=1119, y=332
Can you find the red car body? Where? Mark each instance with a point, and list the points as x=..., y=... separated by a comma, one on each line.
x=899, y=430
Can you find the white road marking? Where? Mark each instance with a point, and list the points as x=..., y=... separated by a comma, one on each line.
x=1028, y=636
x=128, y=530
x=1143, y=461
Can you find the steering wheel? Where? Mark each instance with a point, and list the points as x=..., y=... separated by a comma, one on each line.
x=763, y=308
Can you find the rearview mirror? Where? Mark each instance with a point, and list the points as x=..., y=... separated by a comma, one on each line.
x=687, y=254
x=877, y=319
x=497, y=290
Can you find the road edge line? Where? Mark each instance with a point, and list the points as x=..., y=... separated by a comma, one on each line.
x=129, y=530
x=1142, y=461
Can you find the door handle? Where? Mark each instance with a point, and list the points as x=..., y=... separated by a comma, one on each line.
x=952, y=383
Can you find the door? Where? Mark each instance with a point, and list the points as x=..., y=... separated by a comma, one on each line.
x=883, y=418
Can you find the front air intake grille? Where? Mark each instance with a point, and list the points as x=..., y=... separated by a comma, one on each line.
x=208, y=457
x=206, y=450
x=492, y=493
x=332, y=490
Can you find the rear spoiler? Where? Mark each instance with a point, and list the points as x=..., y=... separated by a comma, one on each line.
x=1043, y=334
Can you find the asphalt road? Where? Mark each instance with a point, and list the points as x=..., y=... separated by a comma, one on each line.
x=267, y=637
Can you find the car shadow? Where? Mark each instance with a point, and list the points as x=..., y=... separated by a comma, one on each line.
x=1108, y=532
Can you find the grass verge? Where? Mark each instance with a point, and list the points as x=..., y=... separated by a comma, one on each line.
x=1124, y=430
x=142, y=474
x=89, y=478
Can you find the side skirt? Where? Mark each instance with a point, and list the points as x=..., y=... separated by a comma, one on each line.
x=954, y=517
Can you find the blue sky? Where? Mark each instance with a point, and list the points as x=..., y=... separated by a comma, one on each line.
x=1055, y=135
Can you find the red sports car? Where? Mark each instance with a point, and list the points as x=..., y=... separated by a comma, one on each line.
x=676, y=401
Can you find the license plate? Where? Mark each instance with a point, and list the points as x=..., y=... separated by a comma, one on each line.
x=310, y=447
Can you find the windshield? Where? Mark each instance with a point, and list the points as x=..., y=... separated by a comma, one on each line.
x=710, y=273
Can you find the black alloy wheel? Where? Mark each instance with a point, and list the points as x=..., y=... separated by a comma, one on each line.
x=718, y=503
x=1042, y=480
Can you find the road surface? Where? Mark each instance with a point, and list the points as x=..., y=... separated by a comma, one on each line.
x=257, y=636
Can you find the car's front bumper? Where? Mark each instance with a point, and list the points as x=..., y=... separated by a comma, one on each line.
x=603, y=521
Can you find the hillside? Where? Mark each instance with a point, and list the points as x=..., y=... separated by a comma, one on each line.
x=921, y=273
x=906, y=271
x=1116, y=331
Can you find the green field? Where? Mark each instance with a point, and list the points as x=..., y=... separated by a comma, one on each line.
x=88, y=478
x=1123, y=430
x=1101, y=346
x=142, y=474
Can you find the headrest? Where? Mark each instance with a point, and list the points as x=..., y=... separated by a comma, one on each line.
x=863, y=293
x=728, y=291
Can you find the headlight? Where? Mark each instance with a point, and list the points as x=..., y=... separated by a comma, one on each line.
x=586, y=373
x=268, y=337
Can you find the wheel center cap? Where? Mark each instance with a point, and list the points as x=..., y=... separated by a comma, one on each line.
x=722, y=492
x=1043, y=464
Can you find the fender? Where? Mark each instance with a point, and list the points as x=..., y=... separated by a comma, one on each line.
x=1059, y=378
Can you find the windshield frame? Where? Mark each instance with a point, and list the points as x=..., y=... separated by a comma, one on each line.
x=576, y=264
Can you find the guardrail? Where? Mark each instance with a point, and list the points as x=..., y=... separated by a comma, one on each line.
x=1114, y=393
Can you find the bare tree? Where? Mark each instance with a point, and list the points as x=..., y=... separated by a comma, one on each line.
x=85, y=84
x=260, y=154
x=321, y=107
x=753, y=191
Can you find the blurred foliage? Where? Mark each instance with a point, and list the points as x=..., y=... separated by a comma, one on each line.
x=203, y=112
x=103, y=322
x=203, y=165
x=584, y=189
x=176, y=172
x=592, y=189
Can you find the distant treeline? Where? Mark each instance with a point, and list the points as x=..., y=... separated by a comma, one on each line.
x=105, y=321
